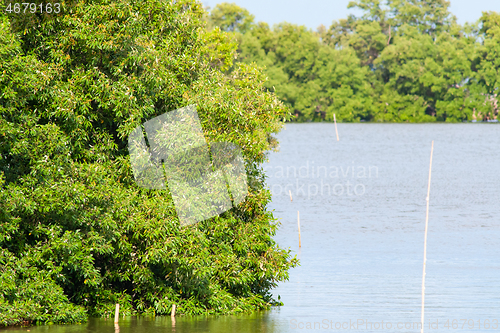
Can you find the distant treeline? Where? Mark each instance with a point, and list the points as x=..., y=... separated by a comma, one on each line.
x=401, y=61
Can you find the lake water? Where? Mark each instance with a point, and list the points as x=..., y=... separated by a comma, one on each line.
x=362, y=214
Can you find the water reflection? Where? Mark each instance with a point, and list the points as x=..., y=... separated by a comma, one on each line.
x=254, y=323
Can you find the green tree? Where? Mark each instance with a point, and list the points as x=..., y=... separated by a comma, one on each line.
x=314, y=79
x=428, y=16
x=230, y=17
x=74, y=85
x=420, y=57
x=400, y=60
x=433, y=71
x=486, y=68
x=367, y=35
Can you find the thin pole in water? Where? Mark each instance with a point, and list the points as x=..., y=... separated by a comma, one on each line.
x=425, y=240
x=335, y=121
x=298, y=222
x=117, y=313
x=172, y=313
x=289, y=191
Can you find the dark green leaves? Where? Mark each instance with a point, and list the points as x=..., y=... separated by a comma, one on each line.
x=73, y=222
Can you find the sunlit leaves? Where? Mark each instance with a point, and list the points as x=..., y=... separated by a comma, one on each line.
x=73, y=87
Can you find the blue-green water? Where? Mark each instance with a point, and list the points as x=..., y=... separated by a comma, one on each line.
x=362, y=213
x=362, y=244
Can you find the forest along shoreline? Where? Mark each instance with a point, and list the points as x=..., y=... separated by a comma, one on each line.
x=399, y=61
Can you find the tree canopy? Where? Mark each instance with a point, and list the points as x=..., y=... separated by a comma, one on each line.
x=77, y=234
x=230, y=17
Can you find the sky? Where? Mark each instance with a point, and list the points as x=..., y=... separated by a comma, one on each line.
x=312, y=13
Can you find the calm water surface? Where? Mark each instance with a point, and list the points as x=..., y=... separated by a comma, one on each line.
x=362, y=213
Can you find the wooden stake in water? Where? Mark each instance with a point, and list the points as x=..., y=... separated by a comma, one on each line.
x=172, y=314
x=335, y=121
x=425, y=240
x=290, y=195
x=117, y=313
x=298, y=222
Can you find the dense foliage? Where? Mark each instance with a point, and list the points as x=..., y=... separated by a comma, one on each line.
x=77, y=235
x=402, y=60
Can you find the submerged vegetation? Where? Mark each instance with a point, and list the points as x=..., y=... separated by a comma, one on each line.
x=77, y=235
x=401, y=61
